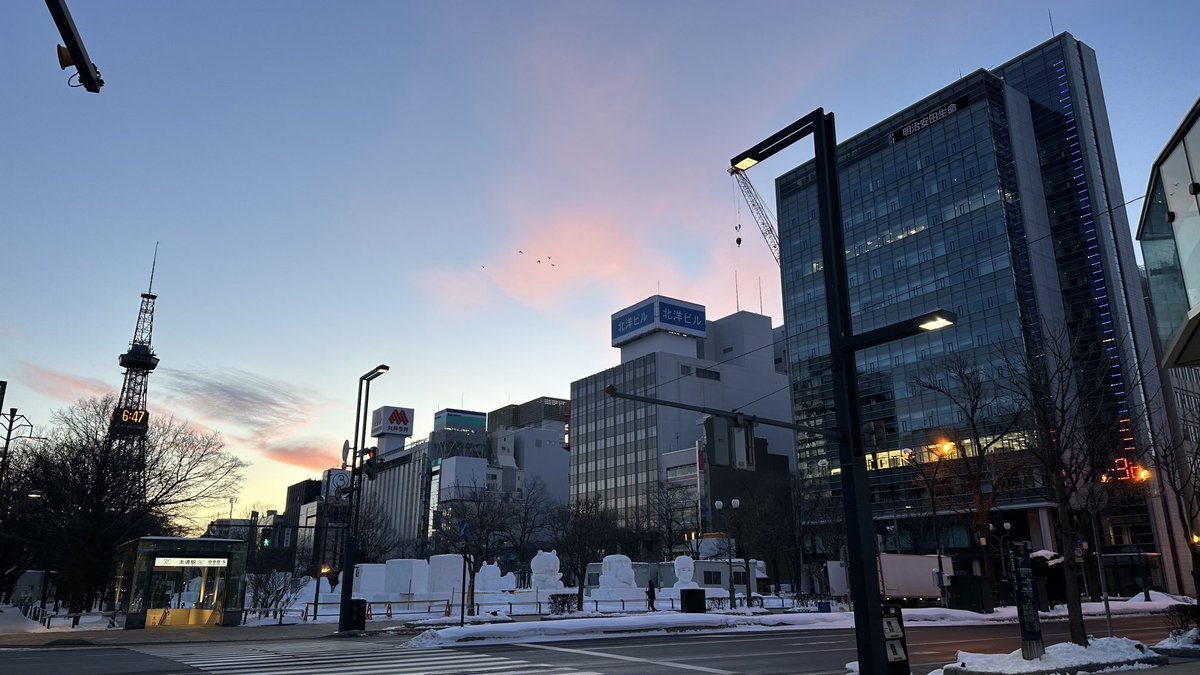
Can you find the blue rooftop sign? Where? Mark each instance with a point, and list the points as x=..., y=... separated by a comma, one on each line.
x=657, y=313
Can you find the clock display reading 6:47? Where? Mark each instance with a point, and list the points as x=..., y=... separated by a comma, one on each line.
x=131, y=421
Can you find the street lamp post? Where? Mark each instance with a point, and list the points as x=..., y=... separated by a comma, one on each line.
x=843, y=346
x=350, y=554
x=1002, y=543
x=718, y=505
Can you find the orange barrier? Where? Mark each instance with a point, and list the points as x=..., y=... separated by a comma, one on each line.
x=389, y=610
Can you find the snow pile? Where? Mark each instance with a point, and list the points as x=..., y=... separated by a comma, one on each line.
x=12, y=621
x=1188, y=640
x=1059, y=656
x=1158, y=596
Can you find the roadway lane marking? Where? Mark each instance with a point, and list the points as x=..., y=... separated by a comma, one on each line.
x=634, y=659
x=702, y=642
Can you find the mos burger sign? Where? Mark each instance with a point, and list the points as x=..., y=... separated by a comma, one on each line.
x=389, y=421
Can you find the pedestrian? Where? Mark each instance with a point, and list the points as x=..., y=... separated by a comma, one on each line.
x=650, y=597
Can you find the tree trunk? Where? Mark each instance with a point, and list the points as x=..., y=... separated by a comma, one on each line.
x=1071, y=578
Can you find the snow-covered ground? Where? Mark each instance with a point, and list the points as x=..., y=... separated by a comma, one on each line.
x=1116, y=652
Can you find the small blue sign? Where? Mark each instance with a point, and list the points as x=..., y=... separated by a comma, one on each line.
x=681, y=317
x=462, y=530
x=634, y=319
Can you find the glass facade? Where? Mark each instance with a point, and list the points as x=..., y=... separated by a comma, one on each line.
x=994, y=198
x=614, y=444
x=1170, y=230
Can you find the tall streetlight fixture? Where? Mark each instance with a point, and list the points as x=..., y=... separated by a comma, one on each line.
x=350, y=551
x=733, y=504
x=843, y=346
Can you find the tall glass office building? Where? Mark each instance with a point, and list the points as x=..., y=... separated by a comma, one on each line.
x=997, y=198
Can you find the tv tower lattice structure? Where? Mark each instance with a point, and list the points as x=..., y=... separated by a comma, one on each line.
x=130, y=420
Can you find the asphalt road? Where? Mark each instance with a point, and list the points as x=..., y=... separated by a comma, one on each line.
x=808, y=651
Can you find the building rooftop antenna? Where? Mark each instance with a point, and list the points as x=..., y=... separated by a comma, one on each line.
x=153, y=264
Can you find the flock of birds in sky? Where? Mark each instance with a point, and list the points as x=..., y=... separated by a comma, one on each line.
x=548, y=260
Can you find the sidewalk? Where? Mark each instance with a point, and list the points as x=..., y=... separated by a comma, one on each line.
x=15, y=632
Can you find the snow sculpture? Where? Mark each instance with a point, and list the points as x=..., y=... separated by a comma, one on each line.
x=545, y=571
x=487, y=579
x=616, y=572
x=685, y=568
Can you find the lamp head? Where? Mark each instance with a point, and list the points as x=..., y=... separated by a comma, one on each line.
x=375, y=372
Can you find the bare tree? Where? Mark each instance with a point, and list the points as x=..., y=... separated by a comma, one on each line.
x=582, y=534
x=985, y=442
x=474, y=525
x=97, y=497
x=1177, y=464
x=675, y=514
x=274, y=591
x=1074, y=436
x=529, y=522
x=378, y=539
x=765, y=520
x=821, y=526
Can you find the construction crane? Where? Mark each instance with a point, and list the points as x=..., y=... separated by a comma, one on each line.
x=762, y=216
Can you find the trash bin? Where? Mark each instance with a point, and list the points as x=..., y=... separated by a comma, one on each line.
x=358, y=615
x=692, y=601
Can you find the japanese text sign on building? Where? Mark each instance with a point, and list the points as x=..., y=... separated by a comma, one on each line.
x=658, y=313
x=930, y=118
x=191, y=562
x=392, y=421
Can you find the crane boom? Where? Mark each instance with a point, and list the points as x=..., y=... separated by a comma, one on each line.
x=764, y=218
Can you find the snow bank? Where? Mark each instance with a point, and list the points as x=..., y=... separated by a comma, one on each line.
x=1188, y=640
x=1158, y=596
x=1101, y=652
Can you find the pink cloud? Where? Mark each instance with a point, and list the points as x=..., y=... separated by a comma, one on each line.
x=305, y=457
x=61, y=386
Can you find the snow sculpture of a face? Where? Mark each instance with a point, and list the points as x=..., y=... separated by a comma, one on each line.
x=545, y=563
x=685, y=569
x=617, y=572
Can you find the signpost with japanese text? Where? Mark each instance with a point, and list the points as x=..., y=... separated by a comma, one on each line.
x=1025, y=598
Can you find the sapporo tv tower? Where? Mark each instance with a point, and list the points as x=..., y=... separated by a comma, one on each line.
x=130, y=420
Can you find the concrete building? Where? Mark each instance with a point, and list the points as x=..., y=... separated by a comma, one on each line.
x=998, y=198
x=668, y=350
x=499, y=451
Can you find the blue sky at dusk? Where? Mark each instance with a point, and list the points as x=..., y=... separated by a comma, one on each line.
x=335, y=185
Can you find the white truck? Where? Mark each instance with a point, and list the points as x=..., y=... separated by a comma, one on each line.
x=902, y=577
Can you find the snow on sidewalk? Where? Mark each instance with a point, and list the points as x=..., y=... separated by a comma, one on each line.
x=1102, y=653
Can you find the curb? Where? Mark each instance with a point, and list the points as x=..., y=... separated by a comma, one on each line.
x=1183, y=652
x=1155, y=660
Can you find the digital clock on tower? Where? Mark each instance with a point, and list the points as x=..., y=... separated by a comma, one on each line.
x=130, y=421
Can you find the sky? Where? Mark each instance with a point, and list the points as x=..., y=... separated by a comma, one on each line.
x=465, y=191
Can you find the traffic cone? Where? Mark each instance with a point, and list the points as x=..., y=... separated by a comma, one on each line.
x=369, y=617
x=389, y=610
x=304, y=615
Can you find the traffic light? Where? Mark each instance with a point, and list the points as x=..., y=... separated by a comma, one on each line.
x=266, y=539
x=370, y=465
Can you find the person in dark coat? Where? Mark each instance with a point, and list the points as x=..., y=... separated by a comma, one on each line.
x=650, y=597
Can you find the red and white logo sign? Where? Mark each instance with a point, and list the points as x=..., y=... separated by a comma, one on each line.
x=391, y=421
